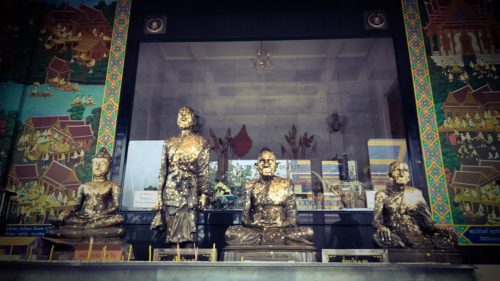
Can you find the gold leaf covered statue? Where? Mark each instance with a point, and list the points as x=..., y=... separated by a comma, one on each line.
x=402, y=217
x=94, y=214
x=183, y=182
x=269, y=211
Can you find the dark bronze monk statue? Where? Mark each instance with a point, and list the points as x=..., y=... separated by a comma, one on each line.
x=402, y=217
x=269, y=212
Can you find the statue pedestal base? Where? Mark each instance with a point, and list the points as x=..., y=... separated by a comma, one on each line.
x=424, y=256
x=114, y=252
x=79, y=250
x=97, y=240
x=270, y=253
x=83, y=234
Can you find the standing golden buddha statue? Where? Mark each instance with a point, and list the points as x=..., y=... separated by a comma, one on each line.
x=402, y=217
x=183, y=182
x=93, y=215
x=269, y=211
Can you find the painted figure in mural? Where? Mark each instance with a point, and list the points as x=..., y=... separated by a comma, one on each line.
x=402, y=217
x=96, y=204
x=183, y=183
x=269, y=210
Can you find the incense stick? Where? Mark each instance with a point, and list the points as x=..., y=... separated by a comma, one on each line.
x=51, y=253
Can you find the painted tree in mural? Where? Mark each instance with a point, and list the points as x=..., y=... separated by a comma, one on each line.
x=76, y=112
x=450, y=157
x=93, y=120
x=107, y=9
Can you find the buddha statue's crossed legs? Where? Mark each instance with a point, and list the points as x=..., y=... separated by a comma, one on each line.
x=239, y=235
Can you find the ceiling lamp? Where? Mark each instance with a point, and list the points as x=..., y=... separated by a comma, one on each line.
x=262, y=60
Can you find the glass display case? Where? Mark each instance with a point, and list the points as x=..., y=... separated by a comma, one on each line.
x=330, y=109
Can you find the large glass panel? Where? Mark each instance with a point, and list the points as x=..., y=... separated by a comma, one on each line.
x=344, y=92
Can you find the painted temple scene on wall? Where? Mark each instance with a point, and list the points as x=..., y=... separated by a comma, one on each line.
x=462, y=41
x=60, y=105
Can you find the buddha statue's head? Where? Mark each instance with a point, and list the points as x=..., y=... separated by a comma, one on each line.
x=101, y=163
x=186, y=118
x=266, y=163
x=399, y=172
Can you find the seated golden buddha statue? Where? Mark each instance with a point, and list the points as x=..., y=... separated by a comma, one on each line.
x=269, y=211
x=402, y=217
x=93, y=215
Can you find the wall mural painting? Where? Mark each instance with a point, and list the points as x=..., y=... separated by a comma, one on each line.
x=462, y=46
x=61, y=108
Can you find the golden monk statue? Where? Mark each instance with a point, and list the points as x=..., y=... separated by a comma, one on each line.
x=183, y=182
x=94, y=214
x=402, y=217
x=269, y=211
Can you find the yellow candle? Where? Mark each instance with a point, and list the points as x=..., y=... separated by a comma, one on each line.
x=104, y=253
x=51, y=253
x=89, y=251
x=11, y=249
x=214, y=253
x=150, y=252
x=178, y=252
x=123, y=258
x=242, y=259
x=30, y=253
x=129, y=252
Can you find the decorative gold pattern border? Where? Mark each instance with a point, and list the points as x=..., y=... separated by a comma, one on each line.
x=114, y=75
x=429, y=136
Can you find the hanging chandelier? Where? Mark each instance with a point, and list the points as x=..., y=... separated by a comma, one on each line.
x=262, y=60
